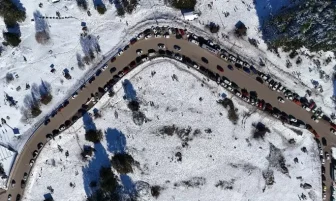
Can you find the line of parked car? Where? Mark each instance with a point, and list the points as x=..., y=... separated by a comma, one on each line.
x=308, y=105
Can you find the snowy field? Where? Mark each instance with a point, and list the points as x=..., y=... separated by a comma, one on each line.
x=111, y=31
x=216, y=156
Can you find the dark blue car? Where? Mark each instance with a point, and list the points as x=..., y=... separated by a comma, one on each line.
x=247, y=70
x=230, y=67
x=255, y=71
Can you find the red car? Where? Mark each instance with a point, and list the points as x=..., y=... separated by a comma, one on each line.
x=126, y=70
x=220, y=68
x=133, y=40
x=132, y=64
x=181, y=32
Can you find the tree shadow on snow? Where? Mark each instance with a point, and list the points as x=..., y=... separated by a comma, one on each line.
x=98, y=3
x=89, y=44
x=130, y=93
x=128, y=186
x=116, y=141
x=19, y=4
x=88, y=122
x=268, y=8
x=91, y=171
x=40, y=23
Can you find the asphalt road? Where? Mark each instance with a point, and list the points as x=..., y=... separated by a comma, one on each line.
x=194, y=52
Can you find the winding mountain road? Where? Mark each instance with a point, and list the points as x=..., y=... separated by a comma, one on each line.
x=194, y=52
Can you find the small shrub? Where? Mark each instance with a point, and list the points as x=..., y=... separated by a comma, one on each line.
x=9, y=77
x=122, y=162
x=108, y=181
x=155, y=191
x=183, y=4
x=35, y=111
x=293, y=54
x=46, y=99
x=12, y=39
x=101, y=9
x=93, y=135
x=2, y=171
x=120, y=11
x=134, y=106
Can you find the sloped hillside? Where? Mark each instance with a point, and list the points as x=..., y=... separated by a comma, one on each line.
x=309, y=23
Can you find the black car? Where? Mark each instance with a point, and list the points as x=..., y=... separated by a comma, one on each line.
x=203, y=69
x=113, y=69
x=46, y=122
x=23, y=183
x=98, y=72
x=126, y=47
x=92, y=79
x=238, y=65
x=169, y=53
x=18, y=197
x=324, y=141
x=49, y=136
x=39, y=145
x=205, y=60
x=176, y=47
x=178, y=36
x=259, y=79
x=162, y=52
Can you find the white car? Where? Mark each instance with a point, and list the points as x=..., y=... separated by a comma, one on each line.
x=280, y=88
x=9, y=197
x=327, y=156
x=232, y=58
x=246, y=99
x=140, y=36
x=161, y=46
x=194, y=41
x=148, y=36
x=31, y=162
x=158, y=35
x=227, y=82
x=275, y=86
x=230, y=88
x=120, y=52
x=196, y=66
x=245, y=64
x=62, y=128
x=322, y=161
x=224, y=85
x=238, y=94
x=293, y=120
x=104, y=67
x=333, y=131
x=178, y=57
x=315, y=119
x=281, y=100
x=139, y=51
x=166, y=35
x=290, y=97
x=223, y=56
x=74, y=95
x=144, y=59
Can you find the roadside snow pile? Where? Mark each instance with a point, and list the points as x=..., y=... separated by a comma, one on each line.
x=183, y=145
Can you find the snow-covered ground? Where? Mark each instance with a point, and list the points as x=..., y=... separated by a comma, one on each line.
x=111, y=31
x=219, y=160
x=7, y=159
